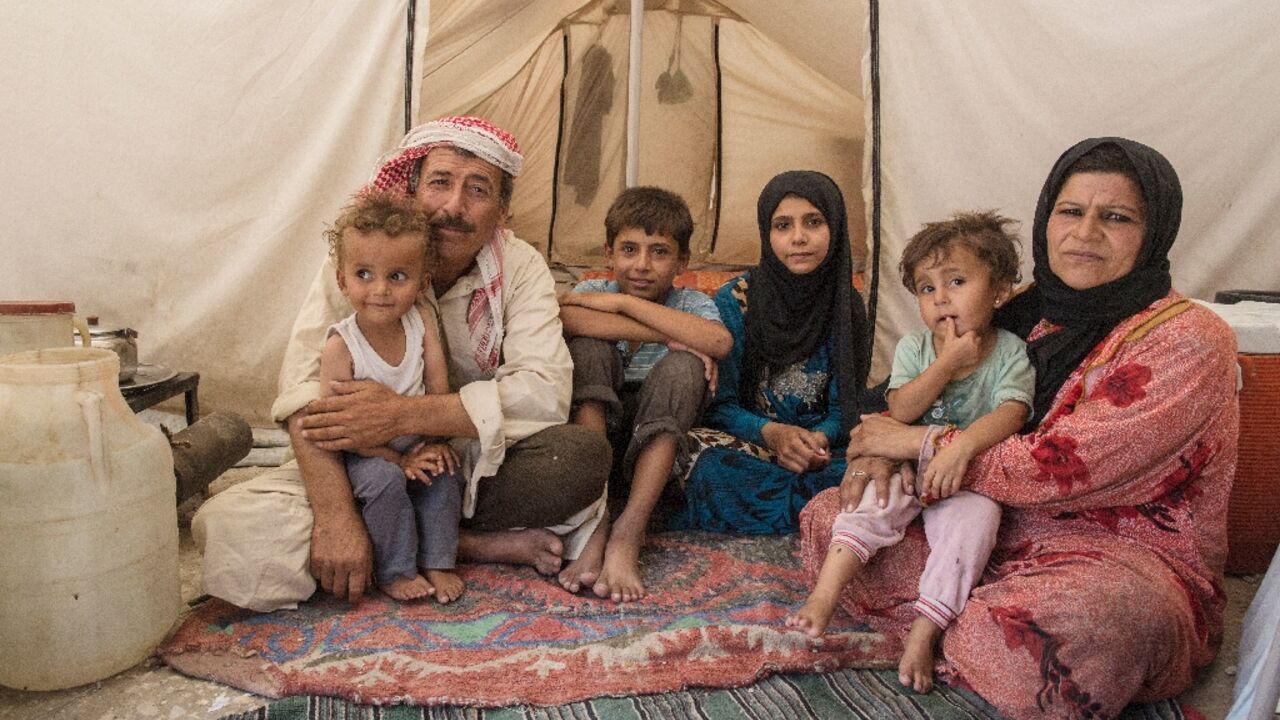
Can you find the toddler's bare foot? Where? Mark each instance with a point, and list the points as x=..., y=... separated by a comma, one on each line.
x=812, y=619
x=414, y=588
x=915, y=670
x=840, y=566
x=584, y=571
x=448, y=585
x=537, y=547
x=620, y=578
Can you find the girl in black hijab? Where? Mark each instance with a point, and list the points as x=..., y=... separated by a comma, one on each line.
x=793, y=314
x=794, y=382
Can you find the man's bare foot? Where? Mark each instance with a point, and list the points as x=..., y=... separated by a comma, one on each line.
x=448, y=585
x=584, y=571
x=813, y=618
x=620, y=579
x=915, y=669
x=414, y=588
x=537, y=547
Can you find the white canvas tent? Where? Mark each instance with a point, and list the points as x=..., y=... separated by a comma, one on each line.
x=171, y=168
x=716, y=81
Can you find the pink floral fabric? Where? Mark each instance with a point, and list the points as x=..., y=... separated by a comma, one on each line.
x=1105, y=586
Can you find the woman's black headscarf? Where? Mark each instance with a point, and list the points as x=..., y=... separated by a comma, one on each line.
x=789, y=316
x=1088, y=316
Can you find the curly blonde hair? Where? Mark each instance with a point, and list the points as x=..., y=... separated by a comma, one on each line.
x=390, y=213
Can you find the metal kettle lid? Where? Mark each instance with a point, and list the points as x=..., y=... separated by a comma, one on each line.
x=104, y=331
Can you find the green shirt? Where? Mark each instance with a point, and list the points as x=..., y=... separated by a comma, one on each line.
x=1005, y=374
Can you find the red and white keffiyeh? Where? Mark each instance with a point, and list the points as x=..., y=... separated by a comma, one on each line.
x=476, y=135
x=484, y=312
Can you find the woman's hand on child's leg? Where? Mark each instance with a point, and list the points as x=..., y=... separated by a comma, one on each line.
x=863, y=470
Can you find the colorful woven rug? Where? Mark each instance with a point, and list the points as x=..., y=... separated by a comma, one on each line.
x=861, y=694
x=713, y=618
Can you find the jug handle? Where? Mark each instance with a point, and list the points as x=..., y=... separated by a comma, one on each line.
x=91, y=406
x=83, y=330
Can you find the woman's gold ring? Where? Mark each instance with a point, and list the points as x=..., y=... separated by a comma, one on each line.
x=858, y=473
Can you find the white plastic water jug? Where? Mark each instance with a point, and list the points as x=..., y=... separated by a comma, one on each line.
x=88, y=523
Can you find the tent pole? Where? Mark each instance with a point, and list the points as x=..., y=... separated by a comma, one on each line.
x=408, y=68
x=873, y=294
x=633, y=93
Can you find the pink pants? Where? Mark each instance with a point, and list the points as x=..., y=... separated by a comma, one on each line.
x=961, y=531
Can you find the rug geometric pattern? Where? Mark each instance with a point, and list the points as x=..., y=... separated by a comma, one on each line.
x=858, y=694
x=713, y=618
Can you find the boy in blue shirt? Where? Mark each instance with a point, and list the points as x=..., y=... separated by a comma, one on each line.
x=638, y=328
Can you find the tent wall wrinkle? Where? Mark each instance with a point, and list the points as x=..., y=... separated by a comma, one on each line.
x=171, y=167
x=779, y=113
x=980, y=99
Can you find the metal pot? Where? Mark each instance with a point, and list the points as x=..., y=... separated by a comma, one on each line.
x=122, y=341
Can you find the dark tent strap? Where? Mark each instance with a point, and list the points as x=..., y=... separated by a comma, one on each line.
x=873, y=290
x=408, y=68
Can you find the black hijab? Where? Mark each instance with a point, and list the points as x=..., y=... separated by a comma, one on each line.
x=1088, y=316
x=789, y=316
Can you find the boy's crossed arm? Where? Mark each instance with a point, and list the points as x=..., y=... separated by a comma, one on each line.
x=614, y=316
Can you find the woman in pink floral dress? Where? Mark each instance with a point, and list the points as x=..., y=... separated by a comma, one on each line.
x=1105, y=586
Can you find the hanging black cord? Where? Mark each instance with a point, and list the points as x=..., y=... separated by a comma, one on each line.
x=719, y=159
x=408, y=69
x=873, y=295
x=555, y=169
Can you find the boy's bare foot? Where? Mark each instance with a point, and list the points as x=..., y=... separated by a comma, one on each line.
x=448, y=585
x=620, y=578
x=538, y=547
x=414, y=588
x=812, y=619
x=915, y=669
x=583, y=572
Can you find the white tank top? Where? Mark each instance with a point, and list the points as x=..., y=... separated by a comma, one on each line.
x=367, y=364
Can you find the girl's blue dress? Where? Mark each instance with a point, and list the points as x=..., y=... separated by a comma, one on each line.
x=732, y=483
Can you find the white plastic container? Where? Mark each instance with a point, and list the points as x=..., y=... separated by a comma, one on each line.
x=88, y=523
x=32, y=325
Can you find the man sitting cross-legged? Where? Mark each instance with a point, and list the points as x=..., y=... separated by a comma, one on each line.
x=534, y=487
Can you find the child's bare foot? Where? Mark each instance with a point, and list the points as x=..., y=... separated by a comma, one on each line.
x=414, y=588
x=839, y=567
x=812, y=619
x=584, y=571
x=915, y=669
x=448, y=585
x=620, y=578
x=537, y=547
